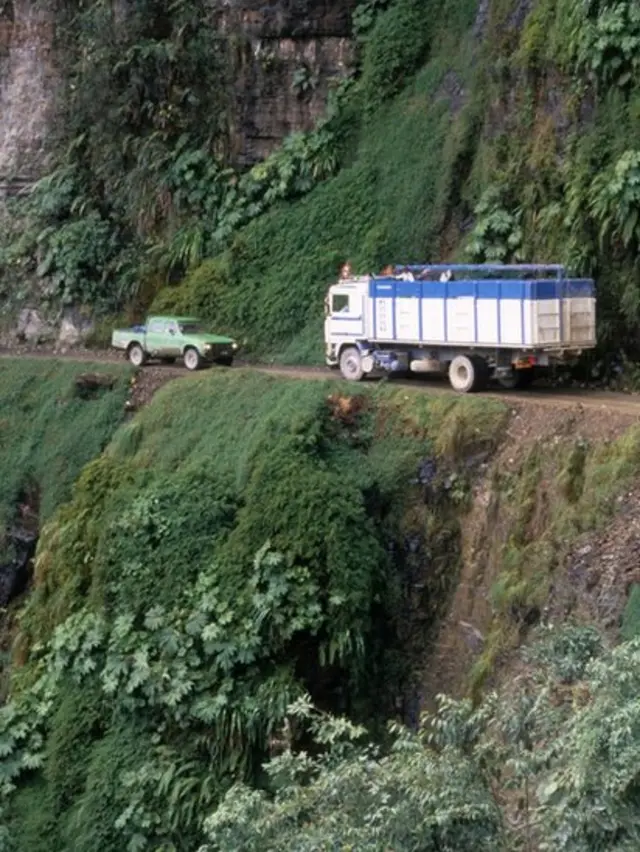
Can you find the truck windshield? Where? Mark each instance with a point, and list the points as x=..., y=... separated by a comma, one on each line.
x=191, y=328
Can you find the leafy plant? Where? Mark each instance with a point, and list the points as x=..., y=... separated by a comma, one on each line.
x=497, y=234
x=305, y=81
x=365, y=16
x=357, y=797
x=605, y=40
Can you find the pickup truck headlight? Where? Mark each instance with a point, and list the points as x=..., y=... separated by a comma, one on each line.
x=207, y=347
x=234, y=345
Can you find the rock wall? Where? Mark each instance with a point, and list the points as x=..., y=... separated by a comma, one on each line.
x=272, y=45
x=276, y=44
x=29, y=82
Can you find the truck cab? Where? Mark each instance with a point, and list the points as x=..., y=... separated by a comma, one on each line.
x=345, y=315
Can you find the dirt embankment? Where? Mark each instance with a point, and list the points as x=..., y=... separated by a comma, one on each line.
x=593, y=578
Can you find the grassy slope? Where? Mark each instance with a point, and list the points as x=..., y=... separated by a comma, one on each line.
x=202, y=477
x=48, y=432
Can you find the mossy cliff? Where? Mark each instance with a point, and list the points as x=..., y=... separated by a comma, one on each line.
x=245, y=540
x=240, y=541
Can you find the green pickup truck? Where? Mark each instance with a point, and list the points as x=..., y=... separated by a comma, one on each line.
x=168, y=338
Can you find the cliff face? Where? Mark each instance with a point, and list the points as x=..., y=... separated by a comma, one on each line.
x=28, y=85
x=273, y=45
x=278, y=45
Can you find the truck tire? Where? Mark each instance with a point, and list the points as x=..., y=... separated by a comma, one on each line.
x=192, y=358
x=136, y=354
x=517, y=380
x=351, y=364
x=468, y=373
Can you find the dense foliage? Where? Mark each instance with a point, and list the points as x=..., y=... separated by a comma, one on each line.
x=239, y=543
x=144, y=186
x=549, y=764
x=244, y=542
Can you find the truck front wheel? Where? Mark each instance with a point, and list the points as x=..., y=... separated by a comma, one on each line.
x=468, y=373
x=192, y=359
x=351, y=364
x=136, y=355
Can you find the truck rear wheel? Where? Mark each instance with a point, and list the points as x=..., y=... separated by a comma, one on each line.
x=351, y=364
x=517, y=379
x=192, y=359
x=468, y=373
x=136, y=354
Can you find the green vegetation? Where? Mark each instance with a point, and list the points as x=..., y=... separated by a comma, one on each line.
x=550, y=764
x=49, y=429
x=245, y=542
x=631, y=617
x=240, y=542
x=537, y=181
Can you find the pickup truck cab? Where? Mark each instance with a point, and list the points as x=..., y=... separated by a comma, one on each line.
x=167, y=338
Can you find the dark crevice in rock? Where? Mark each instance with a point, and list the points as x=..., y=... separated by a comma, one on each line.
x=21, y=540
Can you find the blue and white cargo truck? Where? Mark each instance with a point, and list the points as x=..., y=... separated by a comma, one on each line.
x=475, y=322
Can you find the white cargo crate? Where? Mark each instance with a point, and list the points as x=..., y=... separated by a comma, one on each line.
x=535, y=313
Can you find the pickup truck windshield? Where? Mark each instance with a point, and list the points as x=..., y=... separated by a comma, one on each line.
x=191, y=328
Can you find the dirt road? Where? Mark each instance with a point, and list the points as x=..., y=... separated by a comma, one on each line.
x=156, y=375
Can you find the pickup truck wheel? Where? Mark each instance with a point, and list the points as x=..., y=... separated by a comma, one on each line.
x=136, y=355
x=468, y=373
x=351, y=364
x=192, y=359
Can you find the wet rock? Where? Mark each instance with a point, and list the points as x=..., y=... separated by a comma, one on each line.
x=482, y=17
x=74, y=328
x=33, y=328
x=90, y=385
x=413, y=543
x=472, y=637
x=14, y=575
x=427, y=472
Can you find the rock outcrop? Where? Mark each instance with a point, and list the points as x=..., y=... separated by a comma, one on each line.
x=29, y=82
x=288, y=54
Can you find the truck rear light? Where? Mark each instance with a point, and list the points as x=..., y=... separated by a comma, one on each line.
x=526, y=363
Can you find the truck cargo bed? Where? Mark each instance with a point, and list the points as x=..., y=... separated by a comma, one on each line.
x=528, y=314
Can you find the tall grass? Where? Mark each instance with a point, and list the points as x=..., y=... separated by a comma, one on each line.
x=48, y=432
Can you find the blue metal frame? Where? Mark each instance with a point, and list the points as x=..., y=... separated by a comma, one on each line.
x=480, y=267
